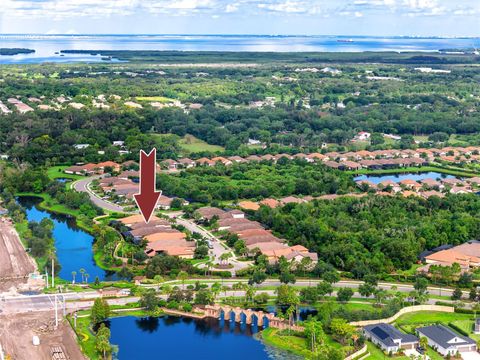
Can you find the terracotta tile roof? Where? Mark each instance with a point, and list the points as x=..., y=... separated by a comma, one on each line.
x=134, y=219
x=453, y=256
x=162, y=236
x=270, y=203
x=249, y=205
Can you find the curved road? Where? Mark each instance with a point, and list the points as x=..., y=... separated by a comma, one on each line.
x=82, y=186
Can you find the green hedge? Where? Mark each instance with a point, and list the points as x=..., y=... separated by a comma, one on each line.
x=464, y=311
x=458, y=329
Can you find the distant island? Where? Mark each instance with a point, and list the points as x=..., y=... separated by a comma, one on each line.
x=10, y=52
x=256, y=57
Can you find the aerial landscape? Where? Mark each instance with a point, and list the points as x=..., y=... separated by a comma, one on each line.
x=206, y=179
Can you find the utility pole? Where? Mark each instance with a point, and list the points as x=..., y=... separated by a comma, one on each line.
x=46, y=275
x=56, y=312
x=53, y=273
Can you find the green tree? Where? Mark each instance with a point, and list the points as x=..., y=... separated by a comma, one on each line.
x=331, y=277
x=149, y=300
x=204, y=297
x=100, y=311
x=314, y=334
x=344, y=295
x=257, y=277
x=102, y=341
x=341, y=329
x=457, y=294
x=324, y=288
x=182, y=275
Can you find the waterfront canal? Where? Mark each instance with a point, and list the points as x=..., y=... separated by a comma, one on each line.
x=378, y=178
x=171, y=337
x=74, y=247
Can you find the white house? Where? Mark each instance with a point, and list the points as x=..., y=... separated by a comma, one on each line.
x=362, y=136
x=445, y=341
x=81, y=146
x=389, y=339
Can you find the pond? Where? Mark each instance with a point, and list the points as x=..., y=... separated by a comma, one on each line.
x=73, y=245
x=377, y=178
x=63, y=180
x=171, y=337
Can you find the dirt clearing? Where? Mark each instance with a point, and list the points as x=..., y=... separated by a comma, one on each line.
x=17, y=331
x=15, y=264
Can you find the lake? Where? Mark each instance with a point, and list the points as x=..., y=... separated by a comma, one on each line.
x=46, y=46
x=73, y=245
x=171, y=337
x=376, y=179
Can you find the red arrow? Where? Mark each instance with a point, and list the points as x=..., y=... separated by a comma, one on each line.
x=147, y=198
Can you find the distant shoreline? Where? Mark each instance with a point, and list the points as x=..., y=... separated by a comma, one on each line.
x=412, y=37
x=15, y=51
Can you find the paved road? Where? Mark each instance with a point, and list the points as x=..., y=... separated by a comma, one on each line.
x=353, y=284
x=84, y=300
x=82, y=186
x=217, y=249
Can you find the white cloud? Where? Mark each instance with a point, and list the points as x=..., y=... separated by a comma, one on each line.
x=63, y=9
x=284, y=7
x=231, y=8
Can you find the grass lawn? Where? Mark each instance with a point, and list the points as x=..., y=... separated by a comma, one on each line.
x=421, y=138
x=56, y=172
x=192, y=144
x=290, y=343
x=430, y=317
x=160, y=99
x=409, y=322
x=434, y=355
x=377, y=354
x=467, y=325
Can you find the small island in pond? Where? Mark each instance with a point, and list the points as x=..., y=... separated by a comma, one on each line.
x=10, y=52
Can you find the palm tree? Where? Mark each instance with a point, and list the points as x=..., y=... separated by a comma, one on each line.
x=74, y=274
x=250, y=292
x=236, y=286
x=355, y=338
x=86, y=277
x=289, y=313
x=208, y=265
x=82, y=272
x=216, y=288
x=424, y=344
x=182, y=275
x=225, y=289
x=224, y=257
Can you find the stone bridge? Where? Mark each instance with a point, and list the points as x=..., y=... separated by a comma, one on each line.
x=248, y=316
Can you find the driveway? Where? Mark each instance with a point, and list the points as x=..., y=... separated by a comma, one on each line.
x=218, y=247
x=472, y=355
x=83, y=186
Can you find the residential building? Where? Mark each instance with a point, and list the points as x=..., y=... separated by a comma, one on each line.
x=389, y=339
x=445, y=341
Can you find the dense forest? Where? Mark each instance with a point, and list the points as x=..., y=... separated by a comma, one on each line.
x=255, y=180
x=375, y=234
x=303, y=105
x=178, y=57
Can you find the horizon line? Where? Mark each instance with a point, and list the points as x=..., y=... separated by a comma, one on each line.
x=249, y=35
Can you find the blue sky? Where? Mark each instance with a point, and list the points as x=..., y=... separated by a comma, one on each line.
x=310, y=17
